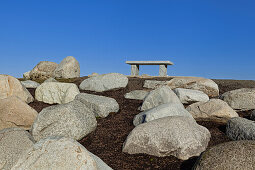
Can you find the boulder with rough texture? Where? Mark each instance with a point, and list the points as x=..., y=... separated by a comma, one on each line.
x=188, y=96
x=72, y=120
x=58, y=153
x=50, y=80
x=153, y=84
x=100, y=105
x=207, y=86
x=136, y=94
x=30, y=84
x=179, y=136
x=240, y=129
x=161, y=111
x=234, y=155
x=43, y=70
x=16, y=113
x=160, y=96
x=56, y=92
x=240, y=99
x=10, y=86
x=213, y=110
x=104, y=82
x=13, y=143
x=101, y=165
x=68, y=68
x=26, y=75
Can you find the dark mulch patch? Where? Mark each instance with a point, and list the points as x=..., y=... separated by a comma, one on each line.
x=108, y=138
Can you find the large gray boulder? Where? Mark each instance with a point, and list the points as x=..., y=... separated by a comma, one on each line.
x=234, y=155
x=16, y=113
x=240, y=99
x=179, y=136
x=13, y=143
x=104, y=82
x=58, y=153
x=10, y=86
x=68, y=68
x=153, y=84
x=240, y=129
x=161, y=111
x=30, y=84
x=136, y=94
x=160, y=96
x=56, y=92
x=188, y=96
x=72, y=120
x=207, y=86
x=213, y=110
x=43, y=70
x=100, y=105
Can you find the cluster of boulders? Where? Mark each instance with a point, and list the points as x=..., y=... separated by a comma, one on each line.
x=165, y=126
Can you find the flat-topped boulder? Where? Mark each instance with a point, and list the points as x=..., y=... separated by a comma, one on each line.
x=240, y=99
x=161, y=111
x=68, y=68
x=30, y=84
x=234, y=155
x=136, y=94
x=188, y=96
x=56, y=92
x=16, y=113
x=72, y=120
x=13, y=143
x=160, y=96
x=212, y=110
x=59, y=153
x=104, y=82
x=10, y=86
x=100, y=105
x=179, y=136
x=207, y=86
x=43, y=70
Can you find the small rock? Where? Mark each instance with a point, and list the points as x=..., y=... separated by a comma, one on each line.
x=43, y=70
x=26, y=75
x=58, y=153
x=213, y=110
x=10, y=86
x=68, y=68
x=137, y=94
x=234, y=155
x=240, y=99
x=56, y=92
x=153, y=84
x=16, y=113
x=100, y=105
x=104, y=82
x=164, y=110
x=188, y=96
x=93, y=75
x=179, y=136
x=240, y=129
x=72, y=120
x=207, y=86
x=30, y=84
x=160, y=96
x=13, y=143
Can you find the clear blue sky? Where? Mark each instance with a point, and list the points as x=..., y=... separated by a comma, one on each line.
x=208, y=38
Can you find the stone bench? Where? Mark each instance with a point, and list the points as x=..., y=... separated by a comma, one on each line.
x=162, y=66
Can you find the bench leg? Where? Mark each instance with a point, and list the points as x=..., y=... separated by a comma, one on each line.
x=163, y=70
x=134, y=70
